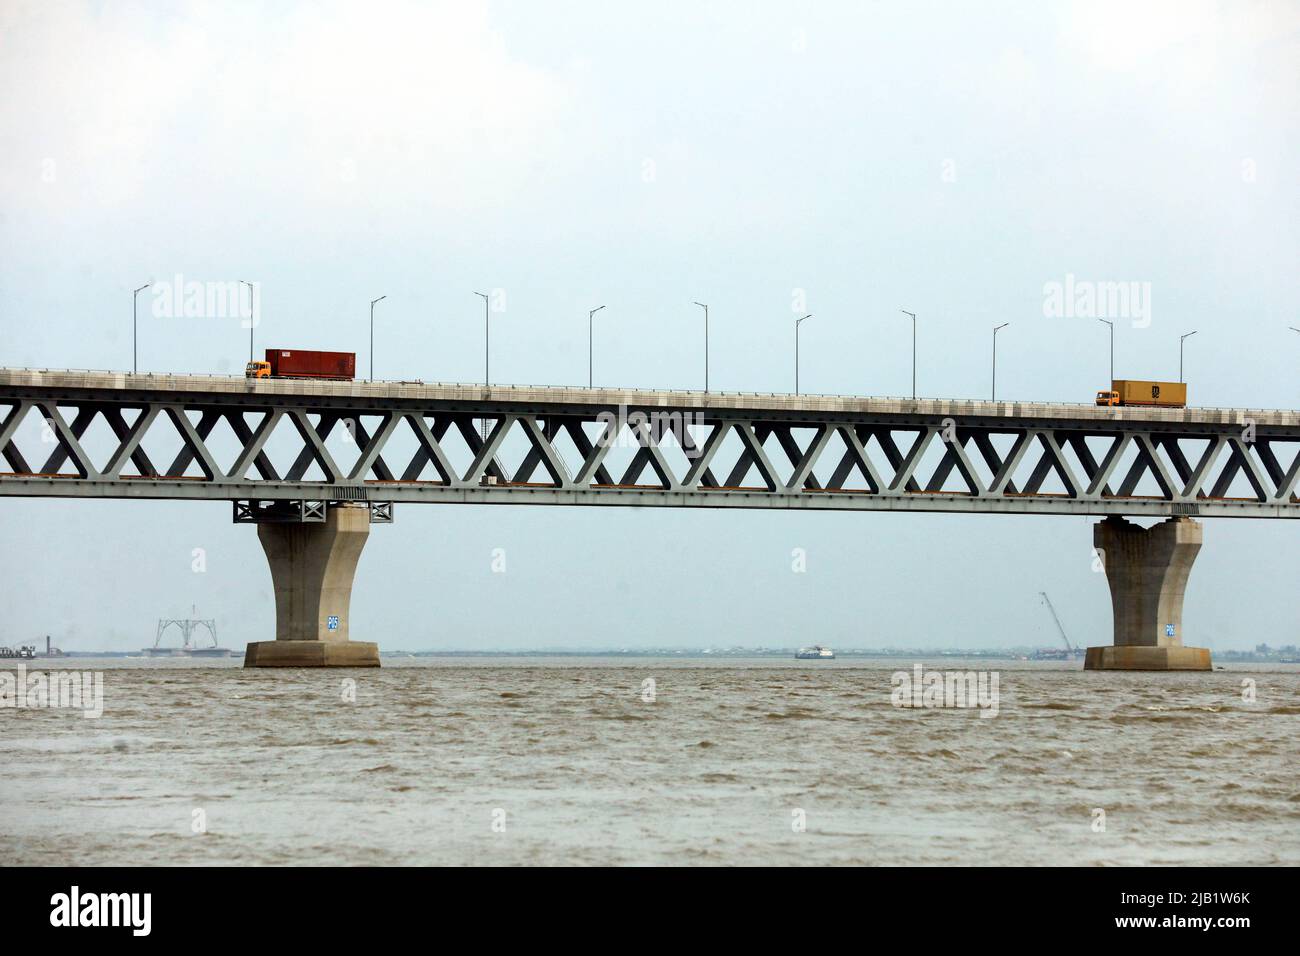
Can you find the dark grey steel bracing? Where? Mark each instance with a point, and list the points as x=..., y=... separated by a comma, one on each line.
x=615, y=447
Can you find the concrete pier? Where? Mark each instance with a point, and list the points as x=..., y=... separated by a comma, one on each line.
x=1147, y=570
x=312, y=567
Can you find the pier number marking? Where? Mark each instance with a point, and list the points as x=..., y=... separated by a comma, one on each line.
x=1169, y=630
x=332, y=622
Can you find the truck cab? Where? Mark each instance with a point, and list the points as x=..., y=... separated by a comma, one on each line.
x=257, y=370
x=1108, y=397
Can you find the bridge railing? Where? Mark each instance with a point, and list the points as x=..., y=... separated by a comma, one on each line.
x=838, y=396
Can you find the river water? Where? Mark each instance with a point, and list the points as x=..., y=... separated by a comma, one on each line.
x=581, y=761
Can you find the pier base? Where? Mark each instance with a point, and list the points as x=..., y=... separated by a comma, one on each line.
x=312, y=567
x=1147, y=570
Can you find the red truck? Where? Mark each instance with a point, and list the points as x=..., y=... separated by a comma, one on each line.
x=304, y=363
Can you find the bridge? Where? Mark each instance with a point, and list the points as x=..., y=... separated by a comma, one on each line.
x=314, y=463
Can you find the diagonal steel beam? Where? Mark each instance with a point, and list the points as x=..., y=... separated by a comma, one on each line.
x=1063, y=469
x=1240, y=459
x=698, y=474
x=984, y=445
x=544, y=449
x=314, y=440
x=80, y=460
x=194, y=441
x=486, y=453
x=371, y=456
x=648, y=454
x=1002, y=483
x=804, y=462
x=964, y=465
x=129, y=441
x=1045, y=466
x=1283, y=479
x=80, y=422
x=903, y=476
x=592, y=454
x=955, y=456
x=885, y=438
x=1079, y=442
x=1182, y=468
x=855, y=456
x=692, y=452
x=470, y=434
x=752, y=454
x=313, y=444
x=1193, y=487
x=1099, y=485
x=430, y=450
x=7, y=430
x=235, y=419
x=253, y=446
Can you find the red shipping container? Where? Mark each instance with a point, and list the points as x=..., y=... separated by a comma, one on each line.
x=303, y=363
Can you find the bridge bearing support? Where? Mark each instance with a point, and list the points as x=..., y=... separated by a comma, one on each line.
x=1147, y=571
x=312, y=566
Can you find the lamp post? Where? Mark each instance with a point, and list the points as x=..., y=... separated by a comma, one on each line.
x=252, y=311
x=487, y=367
x=487, y=355
x=1181, y=340
x=372, y=334
x=797, y=323
x=1112, y=348
x=706, y=344
x=590, y=325
x=913, y=315
x=994, y=393
x=135, y=354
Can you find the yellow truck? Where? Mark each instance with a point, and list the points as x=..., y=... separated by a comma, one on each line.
x=1126, y=391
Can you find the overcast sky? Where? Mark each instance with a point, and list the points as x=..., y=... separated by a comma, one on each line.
x=951, y=159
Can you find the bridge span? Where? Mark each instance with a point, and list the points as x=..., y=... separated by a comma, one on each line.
x=314, y=463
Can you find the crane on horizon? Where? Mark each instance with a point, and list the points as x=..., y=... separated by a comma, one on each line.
x=1048, y=601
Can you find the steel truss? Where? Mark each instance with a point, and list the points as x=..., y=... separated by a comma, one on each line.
x=683, y=456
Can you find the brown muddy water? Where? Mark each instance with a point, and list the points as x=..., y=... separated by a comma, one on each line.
x=568, y=761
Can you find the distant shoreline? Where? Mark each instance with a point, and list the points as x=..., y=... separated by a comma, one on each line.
x=1009, y=654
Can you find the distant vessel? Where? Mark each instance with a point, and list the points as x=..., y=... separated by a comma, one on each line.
x=817, y=652
x=25, y=653
x=187, y=627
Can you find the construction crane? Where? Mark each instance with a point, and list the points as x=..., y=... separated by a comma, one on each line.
x=1048, y=601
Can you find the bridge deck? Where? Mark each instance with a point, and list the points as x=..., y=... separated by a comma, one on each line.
x=148, y=386
x=548, y=445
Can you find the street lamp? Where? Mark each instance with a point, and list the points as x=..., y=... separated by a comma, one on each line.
x=487, y=376
x=913, y=315
x=1112, y=349
x=797, y=323
x=706, y=344
x=135, y=294
x=994, y=393
x=372, y=334
x=252, y=311
x=487, y=367
x=590, y=324
x=1182, y=339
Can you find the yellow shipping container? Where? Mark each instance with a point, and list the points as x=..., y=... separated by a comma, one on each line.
x=1166, y=394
